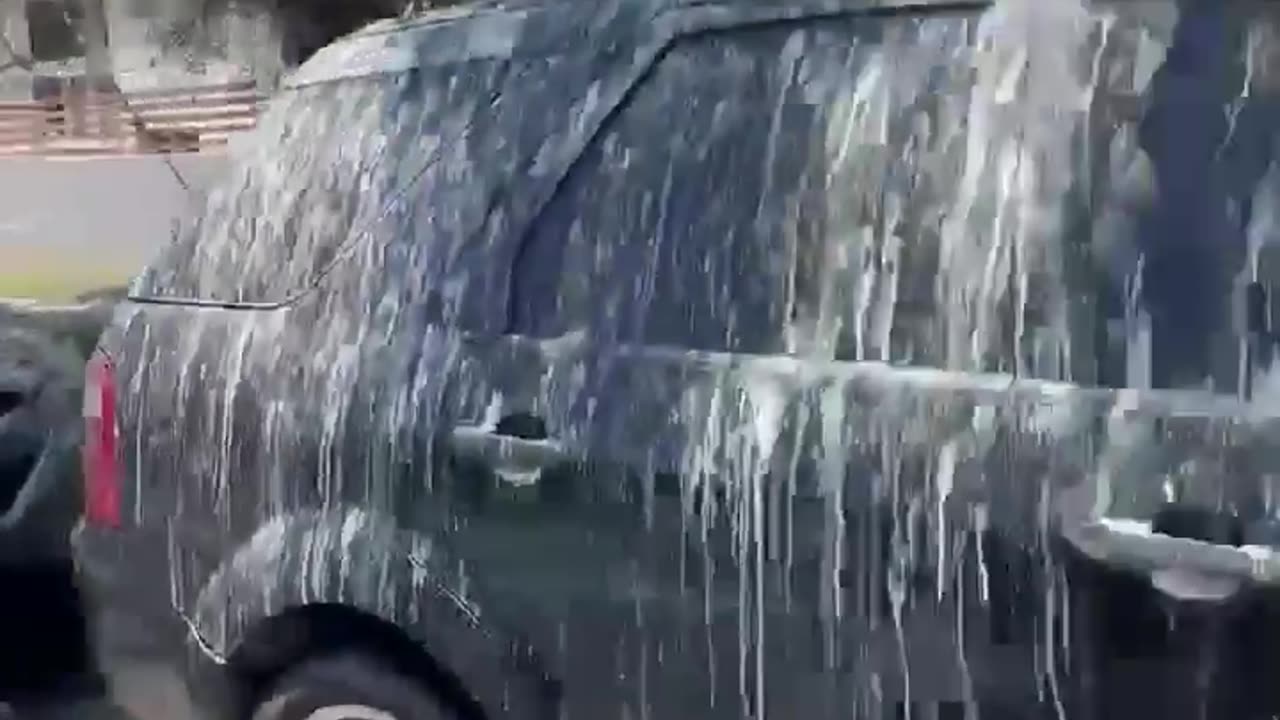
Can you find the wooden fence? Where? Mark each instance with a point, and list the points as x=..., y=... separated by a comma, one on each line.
x=78, y=122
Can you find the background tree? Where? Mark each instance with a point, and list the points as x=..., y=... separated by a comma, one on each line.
x=305, y=26
x=10, y=57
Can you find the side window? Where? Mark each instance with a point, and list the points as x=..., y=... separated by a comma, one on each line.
x=679, y=224
x=358, y=174
x=323, y=164
x=808, y=188
x=734, y=203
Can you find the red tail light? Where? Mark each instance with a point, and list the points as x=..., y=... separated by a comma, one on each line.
x=100, y=459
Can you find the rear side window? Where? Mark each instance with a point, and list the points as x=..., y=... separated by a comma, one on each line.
x=329, y=163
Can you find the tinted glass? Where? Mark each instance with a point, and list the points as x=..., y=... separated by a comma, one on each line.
x=679, y=224
x=861, y=189
x=329, y=162
x=757, y=188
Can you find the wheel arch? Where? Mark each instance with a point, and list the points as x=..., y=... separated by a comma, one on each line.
x=276, y=644
x=351, y=578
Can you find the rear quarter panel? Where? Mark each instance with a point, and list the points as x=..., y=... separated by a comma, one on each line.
x=270, y=467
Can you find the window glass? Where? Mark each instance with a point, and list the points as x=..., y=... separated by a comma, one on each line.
x=327, y=162
x=334, y=173
x=730, y=206
x=678, y=226
x=821, y=188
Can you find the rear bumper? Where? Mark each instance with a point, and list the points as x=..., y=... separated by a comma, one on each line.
x=138, y=641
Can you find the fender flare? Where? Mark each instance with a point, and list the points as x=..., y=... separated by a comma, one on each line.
x=360, y=559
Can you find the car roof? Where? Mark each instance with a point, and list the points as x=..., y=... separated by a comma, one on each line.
x=513, y=28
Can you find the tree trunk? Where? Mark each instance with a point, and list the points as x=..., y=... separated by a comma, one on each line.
x=99, y=77
x=97, y=57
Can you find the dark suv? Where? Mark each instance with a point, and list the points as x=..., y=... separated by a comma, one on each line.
x=671, y=360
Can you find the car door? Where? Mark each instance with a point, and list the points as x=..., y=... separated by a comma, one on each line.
x=763, y=535
x=567, y=471
x=642, y=433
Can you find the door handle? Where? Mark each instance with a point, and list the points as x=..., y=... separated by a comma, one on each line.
x=516, y=460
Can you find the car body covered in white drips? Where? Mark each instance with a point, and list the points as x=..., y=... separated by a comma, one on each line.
x=681, y=359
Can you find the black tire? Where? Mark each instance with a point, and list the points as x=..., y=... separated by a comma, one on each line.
x=323, y=688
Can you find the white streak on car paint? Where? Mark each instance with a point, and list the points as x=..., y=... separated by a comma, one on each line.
x=350, y=712
x=997, y=160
